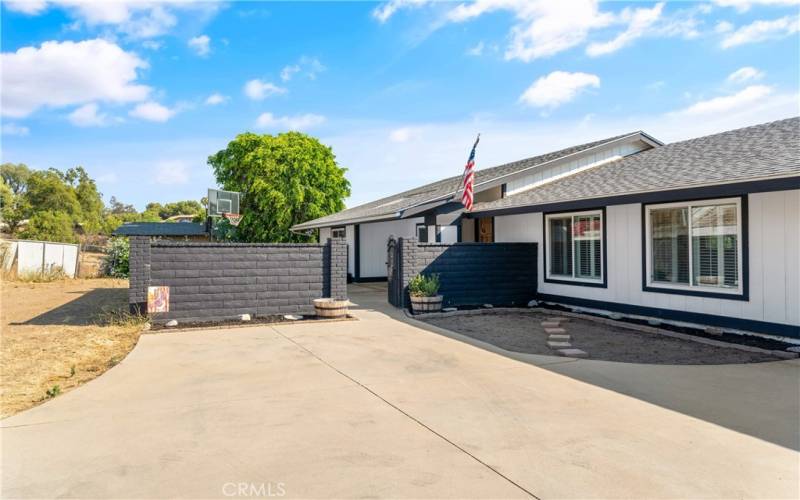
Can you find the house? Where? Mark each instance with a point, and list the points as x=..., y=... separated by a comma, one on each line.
x=705, y=230
x=164, y=230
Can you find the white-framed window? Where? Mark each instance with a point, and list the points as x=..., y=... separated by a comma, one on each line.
x=695, y=246
x=338, y=232
x=575, y=247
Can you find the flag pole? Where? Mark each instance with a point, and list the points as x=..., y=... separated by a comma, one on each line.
x=477, y=139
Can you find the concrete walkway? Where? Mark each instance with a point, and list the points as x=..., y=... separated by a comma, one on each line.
x=375, y=407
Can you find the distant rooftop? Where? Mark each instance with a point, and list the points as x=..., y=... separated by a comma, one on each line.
x=160, y=229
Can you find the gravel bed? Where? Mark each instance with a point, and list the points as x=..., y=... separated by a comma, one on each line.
x=523, y=333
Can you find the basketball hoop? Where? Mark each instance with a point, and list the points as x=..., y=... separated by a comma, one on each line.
x=233, y=218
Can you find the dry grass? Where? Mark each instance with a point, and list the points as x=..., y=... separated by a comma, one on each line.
x=63, y=334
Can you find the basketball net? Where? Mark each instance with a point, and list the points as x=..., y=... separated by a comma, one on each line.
x=233, y=218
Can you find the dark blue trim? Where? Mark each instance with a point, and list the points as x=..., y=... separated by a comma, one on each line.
x=689, y=317
x=744, y=296
x=604, y=284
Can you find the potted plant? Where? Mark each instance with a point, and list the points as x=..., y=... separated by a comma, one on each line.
x=423, y=291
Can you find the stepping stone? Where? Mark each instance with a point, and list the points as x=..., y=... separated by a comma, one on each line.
x=533, y=303
x=558, y=345
x=550, y=324
x=560, y=319
x=488, y=306
x=559, y=338
x=449, y=309
x=554, y=331
x=573, y=353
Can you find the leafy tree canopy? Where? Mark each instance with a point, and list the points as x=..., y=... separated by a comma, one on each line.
x=15, y=176
x=284, y=180
x=50, y=226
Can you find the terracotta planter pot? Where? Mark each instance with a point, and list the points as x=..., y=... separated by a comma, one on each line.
x=426, y=304
x=330, y=308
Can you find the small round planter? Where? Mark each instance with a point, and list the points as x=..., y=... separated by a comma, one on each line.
x=330, y=308
x=426, y=304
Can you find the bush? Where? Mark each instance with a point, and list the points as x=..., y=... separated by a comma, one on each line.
x=117, y=262
x=424, y=286
x=50, y=226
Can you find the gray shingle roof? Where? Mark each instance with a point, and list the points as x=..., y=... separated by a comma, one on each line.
x=387, y=207
x=761, y=151
x=160, y=229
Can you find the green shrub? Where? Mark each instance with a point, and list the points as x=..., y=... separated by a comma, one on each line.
x=424, y=286
x=50, y=226
x=117, y=262
x=53, y=391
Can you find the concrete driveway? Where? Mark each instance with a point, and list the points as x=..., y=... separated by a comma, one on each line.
x=370, y=408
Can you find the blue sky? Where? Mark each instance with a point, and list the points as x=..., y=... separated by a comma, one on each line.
x=141, y=94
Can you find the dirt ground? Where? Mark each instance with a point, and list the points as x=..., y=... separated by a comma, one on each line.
x=63, y=333
x=524, y=333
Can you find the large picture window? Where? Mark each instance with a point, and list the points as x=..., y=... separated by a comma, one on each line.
x=695, y=246
x=575, y=247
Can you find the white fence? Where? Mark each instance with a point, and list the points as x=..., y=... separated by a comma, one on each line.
x=24, y=256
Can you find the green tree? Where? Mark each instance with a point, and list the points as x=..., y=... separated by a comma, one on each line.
x=50, y=226
x=89, y=198
x=48, y=192
x=284, y=180
x=117, y=207
x=15, y=176
x=186, y=207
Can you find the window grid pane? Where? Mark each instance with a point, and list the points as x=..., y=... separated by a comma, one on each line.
x=709, y=232
x=561, y=246
x=670, y=245
x=586, y=234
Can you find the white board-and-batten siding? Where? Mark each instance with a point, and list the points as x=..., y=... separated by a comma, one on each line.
x=561, y=168
x=774, y=261
x=350, y=237
x=374, y=236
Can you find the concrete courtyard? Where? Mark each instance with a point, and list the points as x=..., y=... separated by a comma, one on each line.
x=382, y=407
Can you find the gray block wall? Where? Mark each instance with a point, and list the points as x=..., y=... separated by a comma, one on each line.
x=216, y=281
x=472, y=273
x=139, y=275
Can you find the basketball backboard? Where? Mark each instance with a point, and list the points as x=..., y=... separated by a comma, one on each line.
x=222, y=202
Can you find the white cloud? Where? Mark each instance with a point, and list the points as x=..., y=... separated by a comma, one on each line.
x=723, y=27
x=153, y=112
x=59, y=74
x=386, y=10
x=288, y=71
x=30, y=7
x=216, y=98
x=745, y=74
x=201, y=45
x=557, y=88
x=310, y=67
x=403, y=134
x=296, y=122
x=152, y=45
x=258, y=90
x=14, y=129
x=475, y=51
x=639, y=22
x=88, y=116
x=759, y=31
x=740, y=100
x=744, y=5
x=171, y=172
x=543, y=28
x=134, y=18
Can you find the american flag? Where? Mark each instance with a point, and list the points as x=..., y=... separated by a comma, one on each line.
x=469, y=178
